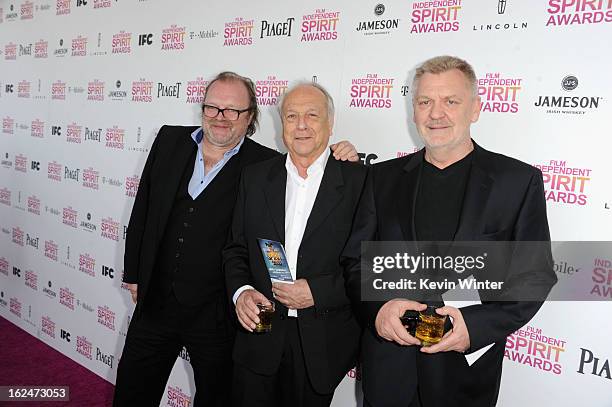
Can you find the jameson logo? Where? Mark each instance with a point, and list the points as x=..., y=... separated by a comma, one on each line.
x=378, y=26
x=585, y=102
x=118, y=93
x=568, y=104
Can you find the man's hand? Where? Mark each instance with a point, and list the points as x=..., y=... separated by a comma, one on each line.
x=388, y=324
x=344, y=150
x=457, y=339
x=134, y=291
x=246, y=308
x=294, y=296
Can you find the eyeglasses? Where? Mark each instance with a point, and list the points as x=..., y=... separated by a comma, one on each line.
x=229, y=114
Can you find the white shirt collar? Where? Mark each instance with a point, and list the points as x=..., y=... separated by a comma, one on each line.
x=318, y=166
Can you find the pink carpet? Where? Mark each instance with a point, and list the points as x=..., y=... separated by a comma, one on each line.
x=25, y=360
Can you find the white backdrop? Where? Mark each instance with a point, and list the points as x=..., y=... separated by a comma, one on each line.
x=86, y=84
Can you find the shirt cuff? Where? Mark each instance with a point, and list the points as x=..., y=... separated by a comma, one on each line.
x=239, y=291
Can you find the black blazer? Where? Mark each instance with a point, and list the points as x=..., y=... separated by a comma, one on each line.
x=329, y=331
x=167, y=161
x=503, y=201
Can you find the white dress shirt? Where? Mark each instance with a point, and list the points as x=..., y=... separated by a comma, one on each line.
x=300, y=195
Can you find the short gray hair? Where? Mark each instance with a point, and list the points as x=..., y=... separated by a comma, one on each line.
x=445, y=63
x=328, y=98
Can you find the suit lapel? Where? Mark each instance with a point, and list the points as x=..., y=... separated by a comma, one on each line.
x=476, y=197
x=328, y=196
x=407, y=194
x=275, y=195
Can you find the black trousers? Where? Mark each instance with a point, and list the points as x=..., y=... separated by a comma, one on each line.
x=288, y=387
x=154, y=341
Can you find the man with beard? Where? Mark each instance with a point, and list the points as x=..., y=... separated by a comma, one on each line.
x=177, y=229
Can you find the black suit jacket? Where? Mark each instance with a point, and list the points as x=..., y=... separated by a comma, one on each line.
x=329, y=331
x=166, y=163
x=503, y=201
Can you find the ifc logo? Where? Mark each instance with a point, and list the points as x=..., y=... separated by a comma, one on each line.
x=570, y=82
x=379, y=9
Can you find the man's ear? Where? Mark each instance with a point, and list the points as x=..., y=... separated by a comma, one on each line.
x=476, y=109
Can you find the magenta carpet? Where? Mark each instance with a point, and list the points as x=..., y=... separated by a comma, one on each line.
x=25, y=360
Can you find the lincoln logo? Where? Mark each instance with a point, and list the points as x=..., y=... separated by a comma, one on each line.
x=501, y=6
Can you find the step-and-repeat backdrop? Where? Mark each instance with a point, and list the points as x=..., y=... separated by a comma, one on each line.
x=86, y=84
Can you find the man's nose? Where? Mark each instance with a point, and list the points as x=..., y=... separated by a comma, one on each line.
x=301, y=123
x=437, y=111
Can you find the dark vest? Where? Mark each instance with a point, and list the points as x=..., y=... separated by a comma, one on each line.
x=189, y=258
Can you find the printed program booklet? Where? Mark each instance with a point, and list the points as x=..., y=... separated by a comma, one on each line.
x=276, y=260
